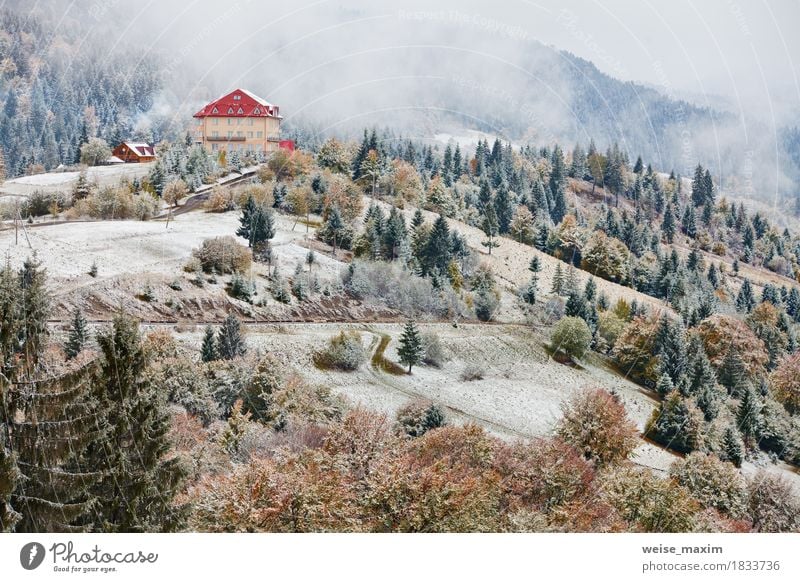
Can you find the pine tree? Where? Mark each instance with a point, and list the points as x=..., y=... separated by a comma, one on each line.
x=246, y=219
x=668, y=224
x=558, y=281
x=670, y=347
x=46, y=421
x=436, y=254
x=699, y=195
x=748, y=415
x=490, y=228
x=140, y=480
x=745, y=301
x=531, y=290
x=689, y=222
x=732, y=446
x=504, y=210
x=78, y=335
x=208, y=352
x=230, y=341
x=411, y=349
x=664, y=385
x=713, y=278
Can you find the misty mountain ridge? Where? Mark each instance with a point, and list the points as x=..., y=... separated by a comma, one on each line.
x=432, y=77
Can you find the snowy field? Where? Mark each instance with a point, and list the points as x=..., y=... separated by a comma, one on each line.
x=129, y=246
x=63, y=181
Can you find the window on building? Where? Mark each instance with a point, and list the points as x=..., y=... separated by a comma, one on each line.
x=237, y=97
x=250, y=134
x=214, y=147
x=230, y=134
x=250, y=121
x=259, y=134
x=214, y=134
x=239, y=134
x=215, y=121
x=238, y=122
x=230, y=121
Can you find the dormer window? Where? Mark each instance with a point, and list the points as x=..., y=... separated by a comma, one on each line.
x=256, y=111
x=240, y=111
x=214, y=110
x=230, y=110
x=237, y=97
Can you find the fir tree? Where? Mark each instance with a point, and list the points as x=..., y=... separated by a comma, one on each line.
x=78, y=335
x=699, y=193
x=732, y=447
x=334, y=227
x=689, y=222
x=490, y=228
x=748, y=415
x=140, y=480
x=558, y=281
x=208, y=352
x=230, y=341
x=246, y=219
x=411, y=348
x=668, y=224
x=745, y=301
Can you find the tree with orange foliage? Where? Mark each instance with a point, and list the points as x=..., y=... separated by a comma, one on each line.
x=596, y=424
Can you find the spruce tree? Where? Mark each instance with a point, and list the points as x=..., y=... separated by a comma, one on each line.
x=436, y=254
x=745, y=301
x=47, y=421
x=668, y=224
x=732, y=447
x=411, y=348
x=140, y=479
x=558, y=281
x=490, y=228
x=699, y=195
x=230, y=341
x=670, y=347
x=246, y=219
x=78, y=335
x=208, y=352
x=749, y=414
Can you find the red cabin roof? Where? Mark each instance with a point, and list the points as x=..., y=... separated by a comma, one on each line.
x=239, y=103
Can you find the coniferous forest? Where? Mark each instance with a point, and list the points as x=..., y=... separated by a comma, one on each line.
x=378, y=330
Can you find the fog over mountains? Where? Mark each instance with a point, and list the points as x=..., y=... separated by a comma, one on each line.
x=422, y=70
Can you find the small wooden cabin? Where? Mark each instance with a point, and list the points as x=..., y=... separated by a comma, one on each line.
x=133, y=152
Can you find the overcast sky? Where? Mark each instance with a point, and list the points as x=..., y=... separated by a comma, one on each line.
x=744, y=50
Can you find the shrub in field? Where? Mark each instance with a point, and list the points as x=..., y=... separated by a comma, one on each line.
x=472, y=372
x=343, y=352
x=571, y=336
x=223, y=255
x=433, y=350
x=419, y=416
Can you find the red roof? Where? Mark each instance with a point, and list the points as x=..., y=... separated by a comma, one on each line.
x=239, y=103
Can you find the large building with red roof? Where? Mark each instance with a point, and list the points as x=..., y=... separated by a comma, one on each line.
x=239, y=121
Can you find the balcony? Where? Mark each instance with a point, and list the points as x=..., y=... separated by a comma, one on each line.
x=225, y=138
